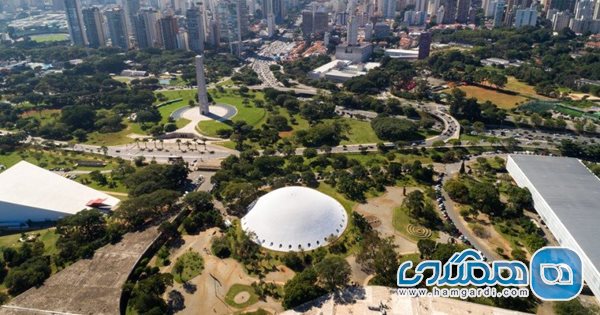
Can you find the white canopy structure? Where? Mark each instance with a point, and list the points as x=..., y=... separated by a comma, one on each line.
x=294, y=219
x=28, y=192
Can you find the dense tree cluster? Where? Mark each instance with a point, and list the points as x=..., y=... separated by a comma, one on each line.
x=81, y=234
x=588, y=151
x=395, y=129
x=28, y=265
x=246, y=76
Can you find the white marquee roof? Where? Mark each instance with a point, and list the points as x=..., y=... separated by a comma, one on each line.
x=28, y=186
x=295, y=218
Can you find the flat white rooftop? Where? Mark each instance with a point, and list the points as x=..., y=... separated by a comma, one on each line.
x=571, y=191
x=26, y=188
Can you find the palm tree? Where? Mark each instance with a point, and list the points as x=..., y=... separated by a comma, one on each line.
x=178, y=141
x=137, y=142
x=154, y=140
x=188, y=143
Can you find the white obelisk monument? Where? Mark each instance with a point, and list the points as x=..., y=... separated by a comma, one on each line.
x=202, y=93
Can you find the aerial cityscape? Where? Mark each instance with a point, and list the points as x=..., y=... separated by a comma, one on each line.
x=320, y=157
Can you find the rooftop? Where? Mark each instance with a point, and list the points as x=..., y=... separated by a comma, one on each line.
x=32, y=186
x=295, y=218
x=571, y=191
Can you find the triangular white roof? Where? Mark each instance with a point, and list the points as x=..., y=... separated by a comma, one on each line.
x=29, y=192
x=295, y=218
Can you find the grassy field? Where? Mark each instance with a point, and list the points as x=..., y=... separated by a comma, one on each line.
x=237, y=289
x=401, y=222
x=49, y=38
x=192, y=266
x=44, y=116
x=360, y=132
x=522, y=88
x=113, y=138
x=47, y=236
x=254, y=116
x=54, y=159
x=330, y=191
x=502, y=100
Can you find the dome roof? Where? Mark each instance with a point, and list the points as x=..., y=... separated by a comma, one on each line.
x=295, y=218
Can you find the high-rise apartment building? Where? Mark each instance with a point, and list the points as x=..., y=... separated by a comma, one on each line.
x=449, y=12
x=424, y=45
x=168, y=28
x=94, y=27
x=146, y=29
x=195, y=28
x=117, y=27
x=525, y=17
x=462, y=11
x=75, y=22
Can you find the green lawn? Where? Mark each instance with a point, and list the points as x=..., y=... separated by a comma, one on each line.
x=49, y=38
x=51, y=159
x=112, y=138
x=193, y=264
x=118, y=188
x=401, y=221
x=44, y=116
x=330, y=191
x=47, y=236
x=239, y=288
x=252, y=115
x=359, y=132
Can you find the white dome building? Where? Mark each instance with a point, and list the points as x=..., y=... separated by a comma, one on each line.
x=294, y=219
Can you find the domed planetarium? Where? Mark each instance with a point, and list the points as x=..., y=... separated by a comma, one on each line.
x=293, y=219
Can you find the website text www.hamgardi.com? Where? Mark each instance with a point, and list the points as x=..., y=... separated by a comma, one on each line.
x=464, y=293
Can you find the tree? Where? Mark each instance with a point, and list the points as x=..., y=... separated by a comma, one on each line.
x=31, y=273
x=378, y=256
x=485, y=197
x=426, y=248
x=303, y=287
x=82, y=233
x=333, y=272
x=394, y=129
x=571, y=307
x=457, y=190
x=199, y=201
x=78, y=117
x=238, y=196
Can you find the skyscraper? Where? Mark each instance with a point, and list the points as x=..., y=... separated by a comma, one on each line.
x=117, y=27
x=584, y=9
x=352, y=32
x=146, y=29
x=279, y=10
x=232, y=16
x=201, y=81
x=388, y=9
x=321, y=20
x=94, y=30
x=424, y=45
x=131, y=7
x=195, y=27
x=168, y=28
x=498, y=13
x=525, y=17
x=462, y=12
x=75, y=22
x=449, y=12
x=307, y=22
